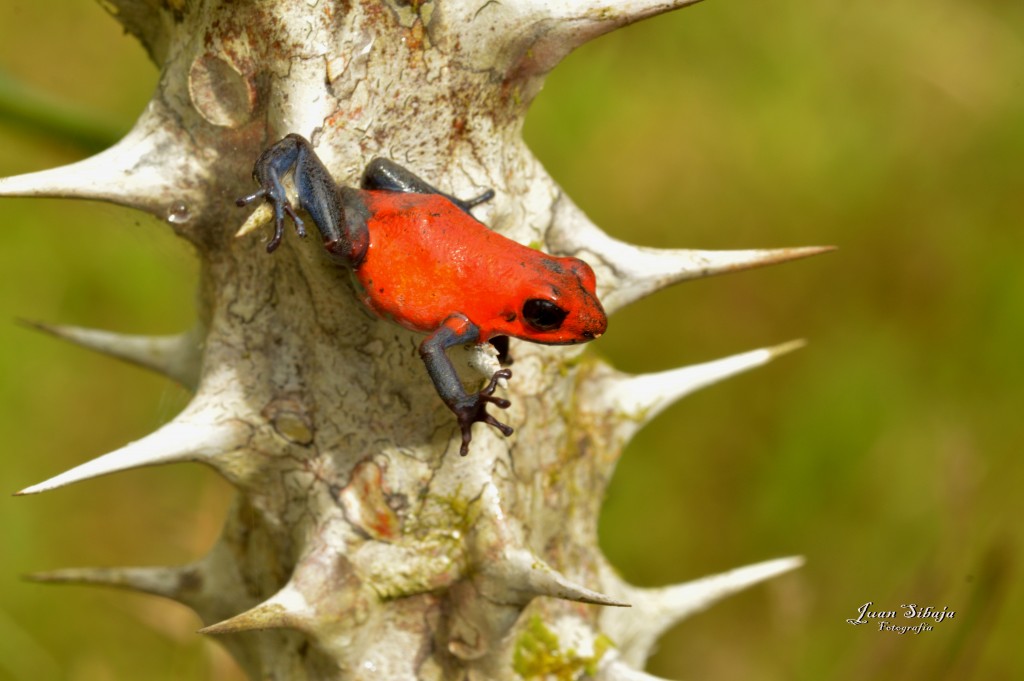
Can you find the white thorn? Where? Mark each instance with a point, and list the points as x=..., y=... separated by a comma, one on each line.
x=287, y=608
x=136, y=172
x=576, y=22
x=176, y=356
x=529, y=575
x=170, y=582
x=538, y=34
x=627, y=273
x=513, y=574
x=656, y=610
x=192, y=436
x=644, y=396
x=618, y=12
x=642, y=271
x=546, y=581
x=259, y=217
x=675, y=603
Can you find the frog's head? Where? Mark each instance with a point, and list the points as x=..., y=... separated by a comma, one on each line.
x=559, y=306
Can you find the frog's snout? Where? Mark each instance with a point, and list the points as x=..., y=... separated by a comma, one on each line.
x=594, y=328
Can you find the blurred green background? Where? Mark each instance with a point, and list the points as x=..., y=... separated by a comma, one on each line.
x=888, y=452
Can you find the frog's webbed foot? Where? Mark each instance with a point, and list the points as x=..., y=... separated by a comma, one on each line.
x=282, y=206
x=291, y=152
x=474, y=410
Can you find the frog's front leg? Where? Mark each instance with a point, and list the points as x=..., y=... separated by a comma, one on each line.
x=386, y=175
x=337, y=212
x=468, y=408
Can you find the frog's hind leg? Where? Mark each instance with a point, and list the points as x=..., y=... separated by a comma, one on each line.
x=337, y=212
x=385, y=175
x=271, y=166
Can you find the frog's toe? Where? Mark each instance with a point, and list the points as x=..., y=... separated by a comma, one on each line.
x=476, y=412
x=505, y=429
x=246, y=200
x=483, y=417
x=489, y=388
x=467, y=437
x=499, y=402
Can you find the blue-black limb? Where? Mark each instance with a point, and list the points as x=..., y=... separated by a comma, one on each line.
x=500, y=344
x=469, y=408
x=339, y=215
x=382, y=174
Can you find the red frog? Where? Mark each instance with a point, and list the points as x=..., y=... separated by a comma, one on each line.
x=422, y=260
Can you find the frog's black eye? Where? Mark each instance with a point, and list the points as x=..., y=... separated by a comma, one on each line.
x=543, y=315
